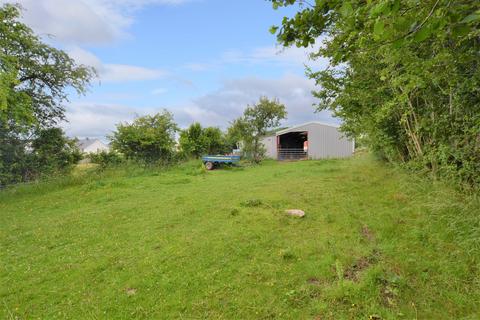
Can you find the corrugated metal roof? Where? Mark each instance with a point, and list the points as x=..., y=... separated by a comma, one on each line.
x=85, y=143
x=292, y=129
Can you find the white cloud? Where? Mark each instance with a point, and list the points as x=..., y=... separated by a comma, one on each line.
x=98, y=120
x=228, y=102
x=290, y=55
x=285, y=57
x=121, y=73
x=217, y=108
x=85, y=57
x=115, y=72
x=84, y=21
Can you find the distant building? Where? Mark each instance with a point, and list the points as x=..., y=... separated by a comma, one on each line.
x=92, y=146
x=311, y=140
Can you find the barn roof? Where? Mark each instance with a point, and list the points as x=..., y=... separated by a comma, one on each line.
x=291, y=129
x=85, y=143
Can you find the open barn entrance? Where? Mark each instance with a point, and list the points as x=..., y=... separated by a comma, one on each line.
x=293, y=145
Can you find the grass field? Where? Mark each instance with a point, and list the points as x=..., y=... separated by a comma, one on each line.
x=188, y=244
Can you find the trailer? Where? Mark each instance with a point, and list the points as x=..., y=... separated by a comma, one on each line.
x=211, y=162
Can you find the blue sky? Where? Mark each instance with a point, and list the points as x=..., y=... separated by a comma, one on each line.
x=203, y=60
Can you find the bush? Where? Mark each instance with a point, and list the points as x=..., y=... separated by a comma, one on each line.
x=196, y=141
x=106, y=159
x=149, y=139
x=192, y=141
x=54, y=152
x=49, y=153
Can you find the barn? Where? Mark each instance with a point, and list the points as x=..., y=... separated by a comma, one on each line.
x=92, y=146
x=311, y=140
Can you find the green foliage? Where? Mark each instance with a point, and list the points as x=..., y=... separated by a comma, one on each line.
x=218, y=245
x=215, y=141
x=192, y=141
x=53, y=151
x=404, y=74
x=36, y=70
x=232, y=136
x=48, y=153
x=13, y=157
x=16, y=110
x=254, y=124
x=148, y=139
x=106, y=158
x=196, y=141
x=34, y=78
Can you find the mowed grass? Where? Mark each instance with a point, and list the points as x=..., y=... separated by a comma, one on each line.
x=187, y=244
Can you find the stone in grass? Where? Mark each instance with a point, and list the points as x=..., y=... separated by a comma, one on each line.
x=130, y=291
x=296, y=213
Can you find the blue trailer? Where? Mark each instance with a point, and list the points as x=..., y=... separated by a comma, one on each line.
x=211, y=161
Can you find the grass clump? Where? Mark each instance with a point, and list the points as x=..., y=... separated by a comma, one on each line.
x=252, y=203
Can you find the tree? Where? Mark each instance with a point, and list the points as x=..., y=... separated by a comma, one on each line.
x=232, y=137
x=404, y=74
x=34, y=78
x=149, y=139
x=49, y=152
x=215, y=142
x=39, y=71
x=53, y=152
x=192, y=140
x=255, y=123
x=196, y=141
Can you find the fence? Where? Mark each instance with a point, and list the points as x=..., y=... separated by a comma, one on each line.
x=292, y=154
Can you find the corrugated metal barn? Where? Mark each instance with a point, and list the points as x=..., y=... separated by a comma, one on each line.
x=311, y=140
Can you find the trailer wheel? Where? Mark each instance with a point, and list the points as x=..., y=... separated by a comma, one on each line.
x=209, y=165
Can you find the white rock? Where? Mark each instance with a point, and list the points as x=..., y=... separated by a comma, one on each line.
x=296, y=212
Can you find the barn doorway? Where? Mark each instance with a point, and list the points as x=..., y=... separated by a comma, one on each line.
x=293, y=145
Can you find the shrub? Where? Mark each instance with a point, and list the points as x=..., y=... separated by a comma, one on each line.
x=192, y=141
x=50, y=152
x=196, y=141
x=53, y=151
x=149, y=139
x=106, y=159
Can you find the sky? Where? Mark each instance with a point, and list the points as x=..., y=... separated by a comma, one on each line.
x=202, y=60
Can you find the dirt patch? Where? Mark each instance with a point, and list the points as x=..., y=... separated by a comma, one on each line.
x=313, y=281
x=368, y=234
x=389, y=291
x=353, y=272
x=388, y=295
